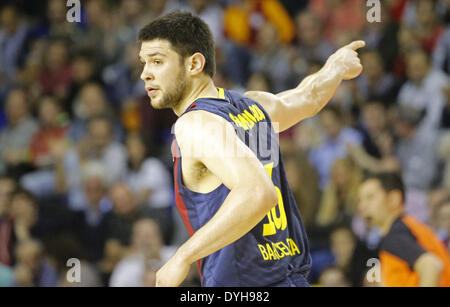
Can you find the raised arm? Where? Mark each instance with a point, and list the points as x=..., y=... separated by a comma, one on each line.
x=252, y=193
x=313, y=93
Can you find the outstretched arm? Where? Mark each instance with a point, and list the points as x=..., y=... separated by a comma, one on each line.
x=313, y=93
x=252, y=193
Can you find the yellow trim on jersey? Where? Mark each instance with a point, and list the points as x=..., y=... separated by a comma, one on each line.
x=221, y=93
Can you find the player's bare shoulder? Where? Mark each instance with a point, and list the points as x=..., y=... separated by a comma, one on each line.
x=198, y=132
x=271, y=103
x=265, y=99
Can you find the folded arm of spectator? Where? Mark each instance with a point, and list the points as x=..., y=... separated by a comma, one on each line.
x=58, y=150
x=374, y=165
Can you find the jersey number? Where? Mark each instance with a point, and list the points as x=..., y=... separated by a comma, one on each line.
x=276, y=221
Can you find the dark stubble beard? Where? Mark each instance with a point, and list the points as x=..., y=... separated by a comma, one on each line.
x=177, y=91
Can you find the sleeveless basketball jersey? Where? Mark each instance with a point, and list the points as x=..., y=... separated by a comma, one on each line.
x=276, y=246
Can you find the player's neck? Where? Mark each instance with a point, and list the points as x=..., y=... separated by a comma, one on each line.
x=389, y=221
x=202, y=87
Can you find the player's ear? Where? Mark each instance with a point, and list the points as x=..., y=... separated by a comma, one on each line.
x=196, y=63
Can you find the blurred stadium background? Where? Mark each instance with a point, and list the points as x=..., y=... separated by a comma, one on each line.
x=85, y=164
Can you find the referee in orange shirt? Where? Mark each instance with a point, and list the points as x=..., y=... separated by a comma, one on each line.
x=411, y=255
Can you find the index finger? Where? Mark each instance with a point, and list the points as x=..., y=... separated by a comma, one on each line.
x=357, y=44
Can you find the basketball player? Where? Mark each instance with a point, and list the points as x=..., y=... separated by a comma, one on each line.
x=243, y=222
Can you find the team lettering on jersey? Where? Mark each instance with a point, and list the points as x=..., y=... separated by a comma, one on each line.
x=278, y=250
x=248, y=118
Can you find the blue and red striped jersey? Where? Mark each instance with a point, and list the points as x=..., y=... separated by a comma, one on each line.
x=275, y=245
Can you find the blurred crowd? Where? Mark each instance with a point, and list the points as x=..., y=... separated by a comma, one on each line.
x=85, y=163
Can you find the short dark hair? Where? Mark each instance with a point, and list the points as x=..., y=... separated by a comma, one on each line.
x=186, y=33
x=389, y=181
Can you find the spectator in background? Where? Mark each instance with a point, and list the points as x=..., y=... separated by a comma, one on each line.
x=97, y=145
x=427, y=28
x=312, y=45
x=303, y=183
x=14, y=32
x=441, y=54
x=377, y=153
x=96, y=214
x=57, y=25
x=424, y=88
x=53, y=126
x=244, y=18
x=344, y=19
x=375, y=83
x=333, y=277
x=339, y=198
x=444, y=157
x=343, y=244
x=147, y=247
x=32, y=268
x=84, y=71
x=270, y=59
x=156, y=8
x=334, y=146
x=100, y=34
x=15, y=138
x=212, y=14
x=92, y=102
x=323, y=256
x=417, y=152
x=126, y=211
x=7, y=187
x=24, y=214
x=388, y=161
x=406, y=44
x=128, y=15
x=122, y=78
x=374, y=121
x=441, y=221
x=29, y=73
x=31, y=219
x=351, y=254
x=150, y=181
x=62, y=246
x=382, y=36
x=53, y=129
x=56, y=76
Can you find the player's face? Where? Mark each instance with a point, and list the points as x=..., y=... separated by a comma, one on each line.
x=164, y=74
x=373, y=202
